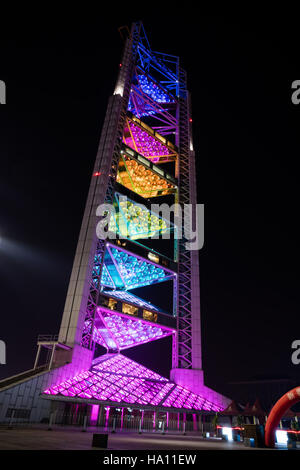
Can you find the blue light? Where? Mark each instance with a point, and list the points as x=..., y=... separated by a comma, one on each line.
x=125, y=271
x=144, y=109
x=153, y=90
x=106, y=279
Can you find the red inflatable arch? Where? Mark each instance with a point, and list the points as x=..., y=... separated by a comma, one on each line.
x=278, y=410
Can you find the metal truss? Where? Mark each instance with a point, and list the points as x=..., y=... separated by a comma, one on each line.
x=185, y=259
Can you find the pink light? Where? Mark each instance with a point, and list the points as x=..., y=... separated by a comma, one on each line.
x=120, y=331
x=118, y=379
x=107, y=416
x=97, y=173
x=146, y=144
x=154, y=419
x=167, y=419
x=94, y=413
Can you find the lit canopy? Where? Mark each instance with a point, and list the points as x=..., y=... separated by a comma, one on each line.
x=120, y=380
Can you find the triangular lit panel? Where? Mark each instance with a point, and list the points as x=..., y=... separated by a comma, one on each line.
x=124, y=270
x=117, y=331
x=147, y=142
x=120, y=380
x=134, y=221
x=137, y=175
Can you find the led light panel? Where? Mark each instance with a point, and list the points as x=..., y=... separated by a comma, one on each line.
x=117, y=331
x=127, y=271
x=142, y=180
x=134, y=221
x=118, y=379
x=150, y=146
x=153, y=90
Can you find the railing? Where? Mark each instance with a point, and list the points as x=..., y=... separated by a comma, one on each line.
x=47, y=338
x=23, y=375
x=114, y=424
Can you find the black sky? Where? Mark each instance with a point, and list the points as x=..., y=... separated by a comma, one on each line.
x=246, y=136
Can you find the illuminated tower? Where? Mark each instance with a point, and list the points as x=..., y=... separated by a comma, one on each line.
x=114, y=301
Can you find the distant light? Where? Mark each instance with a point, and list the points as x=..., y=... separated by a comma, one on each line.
x=153, y=257
x=227, y=432
x=97, y=173
x=191, y=120
x=120, y=65
x=281, y=437
x=119, y=90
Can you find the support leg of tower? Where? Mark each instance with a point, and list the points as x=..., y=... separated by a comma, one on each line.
x=193, y=380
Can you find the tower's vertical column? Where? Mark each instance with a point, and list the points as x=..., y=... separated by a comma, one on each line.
x=83, y=289
x=189, y=366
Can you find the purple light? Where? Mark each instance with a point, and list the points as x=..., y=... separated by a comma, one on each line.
x=118, y=379
x=120, y=331
x=145, y=144
x=94, y=413
x=107, y=416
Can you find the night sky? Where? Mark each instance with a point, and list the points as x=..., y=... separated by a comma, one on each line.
x=246, y=135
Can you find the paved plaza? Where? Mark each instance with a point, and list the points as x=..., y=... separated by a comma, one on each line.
x=62, y=439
